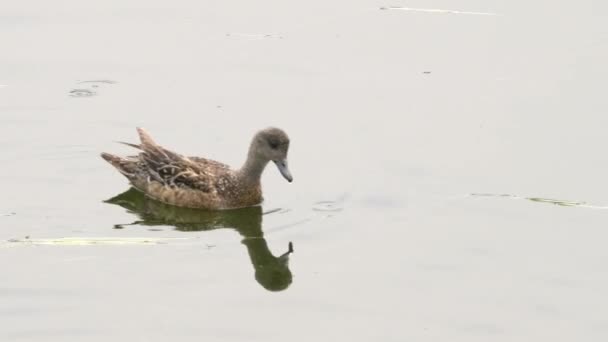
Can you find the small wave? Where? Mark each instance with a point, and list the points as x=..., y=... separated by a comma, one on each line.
x=330, y=206
x=89, y=88
x=82, y=93
x=276, y=211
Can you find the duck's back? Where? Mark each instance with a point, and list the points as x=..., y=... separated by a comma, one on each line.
x=192, y=182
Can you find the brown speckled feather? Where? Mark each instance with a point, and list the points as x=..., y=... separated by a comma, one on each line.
x=193, y=182
x=184, y=181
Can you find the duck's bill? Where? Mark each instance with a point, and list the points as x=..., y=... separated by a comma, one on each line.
x=282, y=165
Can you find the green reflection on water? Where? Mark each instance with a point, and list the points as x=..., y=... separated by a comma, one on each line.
x=271, y=272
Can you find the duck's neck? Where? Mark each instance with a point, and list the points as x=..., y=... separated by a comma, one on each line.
x=251, y=171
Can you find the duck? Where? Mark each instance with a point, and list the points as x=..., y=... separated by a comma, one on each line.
x=196, y=182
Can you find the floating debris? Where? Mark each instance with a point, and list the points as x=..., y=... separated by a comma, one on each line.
x=433, y=10
x=83, y=241
x=557, y=202
x=563, y=203
x=99, y=81
x=492, y=195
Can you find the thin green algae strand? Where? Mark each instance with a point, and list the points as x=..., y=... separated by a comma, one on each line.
x=557, y=202
x=89, y=241
x=562, y=203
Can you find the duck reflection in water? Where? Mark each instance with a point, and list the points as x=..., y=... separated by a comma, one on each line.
x=271, y=272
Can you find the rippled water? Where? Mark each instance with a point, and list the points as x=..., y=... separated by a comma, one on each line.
x=448, y=171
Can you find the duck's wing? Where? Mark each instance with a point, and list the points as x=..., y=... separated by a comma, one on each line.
x=175, y=170
x=158, y=164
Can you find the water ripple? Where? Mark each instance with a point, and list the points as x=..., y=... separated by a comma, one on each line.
x=89, y=88
x=328, y=206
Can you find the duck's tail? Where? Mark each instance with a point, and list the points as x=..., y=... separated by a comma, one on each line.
x=151, y=157
x=125, y=166
x=153, y=152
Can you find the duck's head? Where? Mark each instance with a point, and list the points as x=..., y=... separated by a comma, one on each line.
x=273, y=144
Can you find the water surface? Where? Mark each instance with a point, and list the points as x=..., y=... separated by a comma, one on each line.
x=396, y=117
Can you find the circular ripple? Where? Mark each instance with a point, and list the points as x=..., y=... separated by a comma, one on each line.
x=82, y=93
x=327, y=206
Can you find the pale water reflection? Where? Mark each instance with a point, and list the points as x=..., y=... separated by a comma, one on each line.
x=271, y=272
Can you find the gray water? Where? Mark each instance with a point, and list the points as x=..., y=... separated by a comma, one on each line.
x=448, y=171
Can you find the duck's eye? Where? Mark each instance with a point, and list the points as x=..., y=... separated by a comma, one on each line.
x=273, y=144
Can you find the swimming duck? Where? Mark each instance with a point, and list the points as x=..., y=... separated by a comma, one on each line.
x=196, y=182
